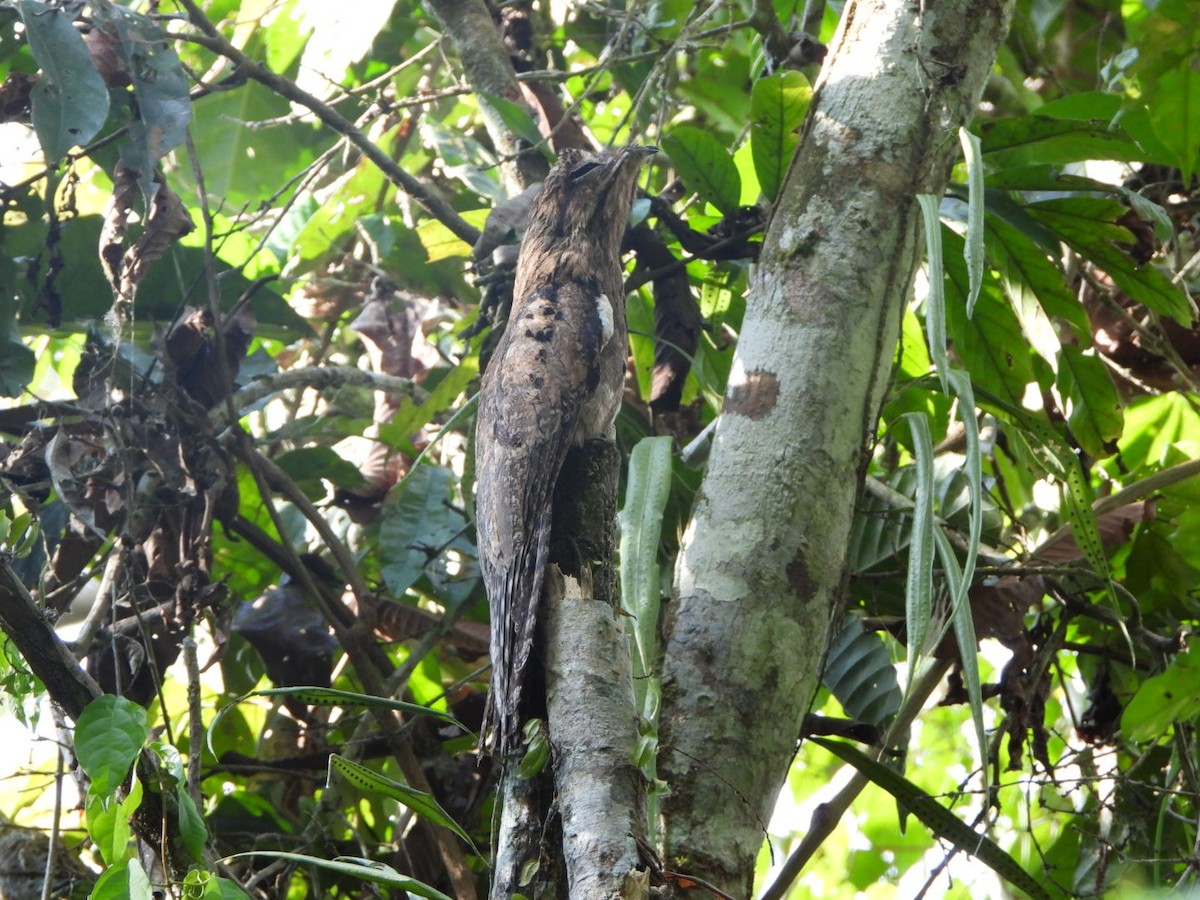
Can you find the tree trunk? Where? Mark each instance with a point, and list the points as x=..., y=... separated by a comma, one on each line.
x=764, y=556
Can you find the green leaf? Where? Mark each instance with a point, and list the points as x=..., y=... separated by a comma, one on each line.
x=1089, y=227
x=935, y=308
x=705, y=166
x=943, y=823
x=127, y=881
x=356, y=867
x=1169, y=81
x=1093, y=406
x=16, y=367
x=990, y=344
x=1026, y=140
x=859, y=673
x=70, y=100
x=1035, y=287
x=975, y=204
x=160, y=87
x=778, y=104
x=918, y=591
x=1164, y=699
x=191, y=824
x=419, y=524
x=310, y=467
x=318, y=696
x=646, y=493
x=109, y=734
x=108, y=821
x=371, y=782
x=514, y=117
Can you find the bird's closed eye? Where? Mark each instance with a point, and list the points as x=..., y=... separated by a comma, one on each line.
x=582, y=170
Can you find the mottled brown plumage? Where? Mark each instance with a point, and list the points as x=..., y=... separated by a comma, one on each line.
x=554, y=381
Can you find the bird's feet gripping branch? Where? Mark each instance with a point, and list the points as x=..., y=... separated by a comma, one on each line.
x=554, y=381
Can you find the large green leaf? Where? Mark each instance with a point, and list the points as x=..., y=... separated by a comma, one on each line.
x=1164, y=699
x=989, y=344
x=1169, y=79
x=1026, y=140
x=778, y=105
x=109, y=734
x=1035, y=287
x=1089, y=226
x=127, y=881
x=420, y=523
x=70, y=100
x=705, y=166
x=1093, y=406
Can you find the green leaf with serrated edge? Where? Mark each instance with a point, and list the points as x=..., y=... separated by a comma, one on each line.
x=70, y=100
x=1164, y=699
x=778, y=104
x=918, y=591
x=371, y=782
x=859, y=673
x=1093, y=407
x=1035, y=287
x=705, y=166
x=319, y=696
x=973, y=249
x=943, y=823
x=356, y=867
x=109, y=734
x=1089, y=226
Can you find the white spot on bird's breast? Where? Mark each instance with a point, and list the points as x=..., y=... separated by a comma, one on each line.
x=604, y=310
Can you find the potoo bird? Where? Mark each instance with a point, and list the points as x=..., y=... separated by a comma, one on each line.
x=554, y=381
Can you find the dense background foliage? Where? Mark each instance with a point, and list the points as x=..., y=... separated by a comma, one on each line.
x=275, y=196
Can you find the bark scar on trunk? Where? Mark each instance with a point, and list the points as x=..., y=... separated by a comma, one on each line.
x=755, y=397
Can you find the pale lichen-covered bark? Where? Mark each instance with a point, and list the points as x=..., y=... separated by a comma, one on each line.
x=764, y=556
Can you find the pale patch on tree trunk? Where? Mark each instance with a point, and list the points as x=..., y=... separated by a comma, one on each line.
x=764, y=556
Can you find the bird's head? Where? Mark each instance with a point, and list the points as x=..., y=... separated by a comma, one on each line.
x=586, y=199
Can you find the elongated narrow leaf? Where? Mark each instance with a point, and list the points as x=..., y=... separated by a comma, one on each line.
x=935, y=305
x=918, y=592
x=943, y=823
x=778, y=105
x=648, y=486
x=705, y=166
x=371, y=782
x=70, y=100
x=974, y=244
x=356, y=867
